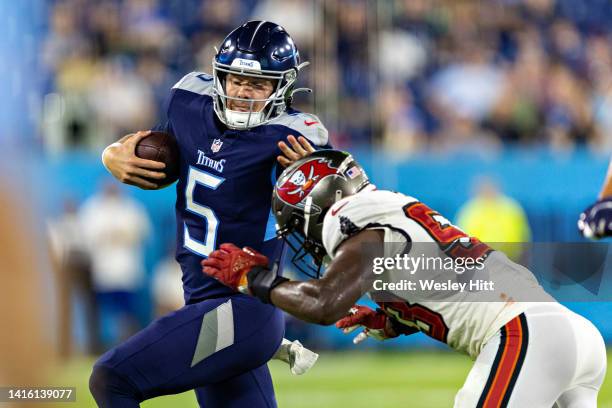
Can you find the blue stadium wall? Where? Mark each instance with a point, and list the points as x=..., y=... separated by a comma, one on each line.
x=552, y=187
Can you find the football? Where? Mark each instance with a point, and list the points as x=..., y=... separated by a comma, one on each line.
x=161, y=147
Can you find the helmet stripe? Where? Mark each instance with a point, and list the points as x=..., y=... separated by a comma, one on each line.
x=255, y=32
x=307, y=208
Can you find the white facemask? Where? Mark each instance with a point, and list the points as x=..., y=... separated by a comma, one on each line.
x=243, y=120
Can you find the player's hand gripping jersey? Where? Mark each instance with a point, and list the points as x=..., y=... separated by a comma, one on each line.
x=226, y=178
x=460, y=319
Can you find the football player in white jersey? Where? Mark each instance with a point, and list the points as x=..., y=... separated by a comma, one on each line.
x=530, y=351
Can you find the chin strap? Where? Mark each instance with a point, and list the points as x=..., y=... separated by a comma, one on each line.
x=243, y=120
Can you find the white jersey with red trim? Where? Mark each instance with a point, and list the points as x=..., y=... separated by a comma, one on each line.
x=459, y=318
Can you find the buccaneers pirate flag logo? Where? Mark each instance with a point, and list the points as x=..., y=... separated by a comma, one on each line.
x=304, y=179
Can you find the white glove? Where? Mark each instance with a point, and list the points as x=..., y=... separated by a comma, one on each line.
x=299, y=358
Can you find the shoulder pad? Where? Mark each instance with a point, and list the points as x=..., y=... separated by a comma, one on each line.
x=308, y=125
x=196, y=82
x=346, y=218
x=369, y=209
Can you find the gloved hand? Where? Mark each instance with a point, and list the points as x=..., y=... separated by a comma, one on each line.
x=596, y=221
x=376, y=324
x=230, y=265
x=245, y=270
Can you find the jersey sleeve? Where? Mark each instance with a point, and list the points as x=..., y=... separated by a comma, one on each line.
x=304, y=124
x=194, y=82
x=311, y=128
x=354, y=214
x=164, y=126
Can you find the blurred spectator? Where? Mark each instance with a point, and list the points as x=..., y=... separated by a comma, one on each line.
x=495, y=218
x=567, y=115
x=144, y=26
x=115, y=228
x=403, y=130
x=470, y=86
x=67, y=239
x=121, y=101
x=301, y=18
x=64, y=39
x=167, y=284
x=460, y=133
x=516, y=117
x=534, y=72
x=402, y=56
x=600, y=74
x=155, y=74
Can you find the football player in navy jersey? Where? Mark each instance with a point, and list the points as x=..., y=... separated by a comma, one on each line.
x=231, y=130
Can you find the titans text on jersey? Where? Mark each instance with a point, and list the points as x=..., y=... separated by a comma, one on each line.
x=230, y=171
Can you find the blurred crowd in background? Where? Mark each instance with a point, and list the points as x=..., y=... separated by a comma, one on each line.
x=403, y=76
x=409, y=75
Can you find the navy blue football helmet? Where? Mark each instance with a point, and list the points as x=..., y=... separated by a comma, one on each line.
x=258, y=49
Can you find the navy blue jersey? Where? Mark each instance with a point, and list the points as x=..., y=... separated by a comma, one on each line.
x=226, y=179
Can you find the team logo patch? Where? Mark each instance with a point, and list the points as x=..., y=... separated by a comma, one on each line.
x=347, y=227
x=246, y=63
x=304, y=179
x=216, y=145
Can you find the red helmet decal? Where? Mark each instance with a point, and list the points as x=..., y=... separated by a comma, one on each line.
x=304, y=179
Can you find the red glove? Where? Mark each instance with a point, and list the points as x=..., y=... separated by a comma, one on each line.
x=374, y=322
x=230, y=265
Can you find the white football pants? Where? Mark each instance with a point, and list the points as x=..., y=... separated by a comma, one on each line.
x=544, y=356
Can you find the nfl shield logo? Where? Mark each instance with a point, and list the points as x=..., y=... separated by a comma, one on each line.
x=216, y=145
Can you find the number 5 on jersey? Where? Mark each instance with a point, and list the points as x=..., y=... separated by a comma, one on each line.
x=199, y=177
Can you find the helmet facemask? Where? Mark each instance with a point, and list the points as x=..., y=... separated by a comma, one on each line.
x=304, y=193
x=304, y=240
x=274, y=105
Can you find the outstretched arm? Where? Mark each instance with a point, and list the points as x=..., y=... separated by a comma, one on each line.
x=326, y=300
x=321, y=301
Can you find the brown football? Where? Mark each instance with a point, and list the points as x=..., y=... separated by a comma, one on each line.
x=161, y=147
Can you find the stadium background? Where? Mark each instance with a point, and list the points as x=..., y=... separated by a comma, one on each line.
x=430, y=95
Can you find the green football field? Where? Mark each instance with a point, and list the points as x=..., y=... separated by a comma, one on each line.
x=345, y=380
